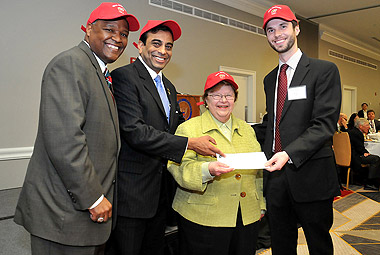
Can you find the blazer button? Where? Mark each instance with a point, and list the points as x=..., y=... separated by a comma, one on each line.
x=237, y=176
x=243, y=194
x=113, y=181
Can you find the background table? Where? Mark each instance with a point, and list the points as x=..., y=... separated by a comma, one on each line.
x=373, y=147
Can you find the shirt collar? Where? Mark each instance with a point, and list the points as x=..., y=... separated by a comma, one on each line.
x=152, y=73
x=100, y=62
x=293, y=60
x=228, y=124
x=209, y=124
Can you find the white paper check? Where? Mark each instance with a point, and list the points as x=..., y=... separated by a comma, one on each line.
x=250, y=160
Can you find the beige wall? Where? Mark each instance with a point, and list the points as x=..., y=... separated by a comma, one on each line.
x=366, y=80
x=35, y=31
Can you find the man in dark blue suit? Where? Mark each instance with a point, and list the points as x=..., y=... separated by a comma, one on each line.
x=301, y=180
x=148, y=120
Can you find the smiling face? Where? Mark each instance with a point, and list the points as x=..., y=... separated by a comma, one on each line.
x=157, y=50
x=221, y=109
x=108, y=38
x=282, y=37
x=371, y=115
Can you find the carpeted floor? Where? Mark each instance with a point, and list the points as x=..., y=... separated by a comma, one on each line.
x=356, y=228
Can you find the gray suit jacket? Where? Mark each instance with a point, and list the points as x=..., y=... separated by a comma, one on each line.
x=75, y=153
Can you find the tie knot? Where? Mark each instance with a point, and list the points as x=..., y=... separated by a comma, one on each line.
x=157, y=80
x=284, y=67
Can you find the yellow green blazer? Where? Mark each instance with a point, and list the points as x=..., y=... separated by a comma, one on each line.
x=216, y=202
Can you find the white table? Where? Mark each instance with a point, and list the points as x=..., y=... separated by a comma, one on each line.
x=373, y=147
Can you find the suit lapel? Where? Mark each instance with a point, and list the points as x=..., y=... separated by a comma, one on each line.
x=299, y=75
x=103, y=83
x=172, y=96
x=270, y=91
x=150, y=85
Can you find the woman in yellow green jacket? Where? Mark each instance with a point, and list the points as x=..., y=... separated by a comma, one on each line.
x=219, y=206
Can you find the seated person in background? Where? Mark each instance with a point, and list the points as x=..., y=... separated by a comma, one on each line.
x=363, y=112
x=374, y=124
x=342, y=123
x=351, y=120
x=359, y=154
x=219, y=207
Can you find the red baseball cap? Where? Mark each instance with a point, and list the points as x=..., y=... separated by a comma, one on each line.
x=171, y=24
x=214, y=78
x=279, y=12
x=108, y=11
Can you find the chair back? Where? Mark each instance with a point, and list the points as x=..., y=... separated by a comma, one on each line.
x=342, y=149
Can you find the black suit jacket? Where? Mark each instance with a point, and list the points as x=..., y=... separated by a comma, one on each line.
x=361, y=114
x=377, y=125
x=306, y=129
x=147, y=140
x=357, y=147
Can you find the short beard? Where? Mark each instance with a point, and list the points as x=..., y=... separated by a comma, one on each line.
x=287, y=48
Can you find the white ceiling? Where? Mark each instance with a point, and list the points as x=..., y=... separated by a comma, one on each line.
x=352, y=24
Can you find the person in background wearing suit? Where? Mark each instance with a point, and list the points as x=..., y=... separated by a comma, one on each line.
x=303, y=97
x=351, y=120
x=363, y=112
x=67, y=196
x=373, y=123
x=342, y=123
x=360, y=155
x=149, y=115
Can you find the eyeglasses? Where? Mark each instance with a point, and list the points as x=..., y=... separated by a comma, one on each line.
x=218, y=97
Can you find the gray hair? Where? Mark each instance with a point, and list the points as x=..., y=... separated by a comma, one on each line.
x=361, y=122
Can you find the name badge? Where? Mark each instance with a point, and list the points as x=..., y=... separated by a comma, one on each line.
x=297, y=93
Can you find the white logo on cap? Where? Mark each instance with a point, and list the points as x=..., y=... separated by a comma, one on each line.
x=273, y=10
x=121, y=10
x=222, y=76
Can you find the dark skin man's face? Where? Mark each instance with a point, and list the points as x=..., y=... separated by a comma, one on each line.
x=108, y=38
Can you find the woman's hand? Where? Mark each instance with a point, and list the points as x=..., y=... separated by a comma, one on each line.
x=217, y=168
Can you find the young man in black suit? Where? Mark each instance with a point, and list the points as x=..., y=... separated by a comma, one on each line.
x=148, y=121
x=303, y=102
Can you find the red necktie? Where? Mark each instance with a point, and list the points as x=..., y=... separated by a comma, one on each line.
x=282, y=90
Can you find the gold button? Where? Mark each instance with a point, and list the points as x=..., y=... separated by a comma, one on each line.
x=243, y=194
x=237, y=176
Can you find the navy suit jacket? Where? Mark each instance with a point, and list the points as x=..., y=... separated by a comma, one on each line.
x=306, y=128
x=147, y=139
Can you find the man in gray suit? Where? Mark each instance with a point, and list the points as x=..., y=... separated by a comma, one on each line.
x=66, y=200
